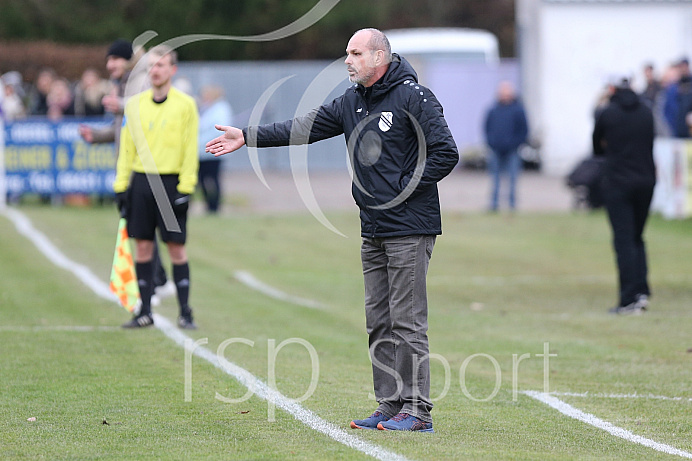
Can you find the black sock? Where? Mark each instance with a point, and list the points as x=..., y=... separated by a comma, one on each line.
x=181, y=277
x=160, y=278
x=145, y=280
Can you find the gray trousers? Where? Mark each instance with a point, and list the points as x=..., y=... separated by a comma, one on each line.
x=396, y=313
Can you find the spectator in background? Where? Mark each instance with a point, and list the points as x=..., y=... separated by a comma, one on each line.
x=60, y=100
x=602, y=101
x=652, y=88
x=118, y=65
x=505, y=130
x=678, y=100
x=38, y=99
x=2, y=98
x=12, y=104
x=138, y=77
x=670, y=76
x=684, y=99
x=89, y=92
x=624, y=135
x=214, y=109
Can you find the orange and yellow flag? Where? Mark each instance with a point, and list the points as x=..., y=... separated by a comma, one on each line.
x=123, y=277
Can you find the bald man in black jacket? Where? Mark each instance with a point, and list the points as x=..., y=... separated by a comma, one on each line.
x=400, y=147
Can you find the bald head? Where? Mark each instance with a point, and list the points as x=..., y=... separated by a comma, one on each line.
x=506, y=92
x=377, y=40
x=368, y=55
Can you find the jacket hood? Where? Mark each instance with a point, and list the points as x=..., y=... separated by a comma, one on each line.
x=399, y=71
x=625, y=98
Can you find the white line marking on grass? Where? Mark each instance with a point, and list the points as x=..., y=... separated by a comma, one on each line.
x=243, y=376
x=251, y=281
x=263, y=391
x=621, y=396
x=588, y=418
x=70, y=328
x=83, y=273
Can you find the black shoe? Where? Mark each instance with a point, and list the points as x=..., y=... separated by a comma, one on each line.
x=185, y=321
x=140, y=321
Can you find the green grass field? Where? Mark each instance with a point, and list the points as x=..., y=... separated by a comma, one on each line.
x=498, y=286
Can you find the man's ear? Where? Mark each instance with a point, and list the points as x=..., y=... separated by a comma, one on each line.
x=379, y=57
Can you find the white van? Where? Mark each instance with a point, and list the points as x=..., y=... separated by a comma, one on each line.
x=445, y=44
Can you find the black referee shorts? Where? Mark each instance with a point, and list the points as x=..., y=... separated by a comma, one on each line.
x=144, y=214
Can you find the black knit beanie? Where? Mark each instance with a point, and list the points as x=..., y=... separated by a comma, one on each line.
x=120, y=48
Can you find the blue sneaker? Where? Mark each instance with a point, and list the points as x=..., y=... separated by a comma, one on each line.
x=405, y=422
x=369, y=423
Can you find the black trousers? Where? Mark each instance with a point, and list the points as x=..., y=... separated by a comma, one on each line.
x=210, y=184
x=628, y=210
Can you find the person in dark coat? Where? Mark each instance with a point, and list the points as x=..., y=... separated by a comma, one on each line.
x=678, y=101
x=624, y=134
x=505, y=129
x=400, y=146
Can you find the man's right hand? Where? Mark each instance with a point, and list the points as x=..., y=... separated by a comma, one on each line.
x=86, y=133
x=232, y=139
x=121, y=201
x=112, y=104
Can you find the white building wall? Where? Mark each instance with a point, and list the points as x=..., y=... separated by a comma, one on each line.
x=569, y=49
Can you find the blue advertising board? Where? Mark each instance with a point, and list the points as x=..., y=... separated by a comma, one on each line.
x=50, y=158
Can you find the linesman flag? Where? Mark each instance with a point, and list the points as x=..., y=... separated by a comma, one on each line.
x=123, y=278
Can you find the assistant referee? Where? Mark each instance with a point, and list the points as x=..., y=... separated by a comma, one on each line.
x=158, y=146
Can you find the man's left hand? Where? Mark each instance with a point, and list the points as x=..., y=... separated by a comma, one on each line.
x=181, y=203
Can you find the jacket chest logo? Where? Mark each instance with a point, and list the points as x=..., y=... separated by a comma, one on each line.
x=157, y=125
x=385, y=122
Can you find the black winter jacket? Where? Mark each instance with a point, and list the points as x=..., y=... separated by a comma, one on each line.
x=395, y=176
x=624, y=134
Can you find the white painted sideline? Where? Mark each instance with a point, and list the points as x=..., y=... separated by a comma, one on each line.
x=261, y=389
x=70, y=328
x=621, y=396
x=588, y=418
x=251, y=281
x=83, y=273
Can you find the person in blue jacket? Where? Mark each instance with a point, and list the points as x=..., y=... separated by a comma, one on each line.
x=506, y=129
x=214, y=108
x=400, y=146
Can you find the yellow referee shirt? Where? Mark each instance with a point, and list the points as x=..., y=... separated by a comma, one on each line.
x=159, y=138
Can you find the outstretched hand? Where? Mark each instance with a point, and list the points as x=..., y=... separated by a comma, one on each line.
x=232, y=139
